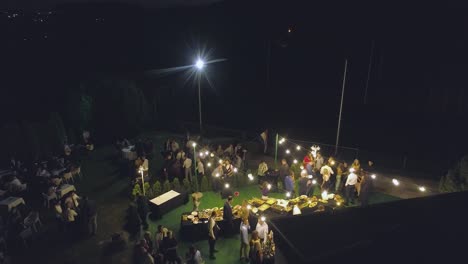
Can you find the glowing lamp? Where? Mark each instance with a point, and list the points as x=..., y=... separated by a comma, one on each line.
x=314, y=182
x=194, y=144
x=226, y=185
x=208, y=164
x=295, y=161
x=395, y=182
x=220, y=161
x=211, y=155
x=310, y=176
x=338, y=203
x=288, y=194
x=269, y=186
x=373, y=176
x=301, y=167
x=235, y=169
x=217, y=175
x=287, y=151
x=263, y=218
x=200, y=64
x=422, y=188
x=206, y=153
x=298, y=147
x=250, y=176
x=249, y=207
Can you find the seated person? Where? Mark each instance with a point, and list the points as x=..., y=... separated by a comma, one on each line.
x=16, y=186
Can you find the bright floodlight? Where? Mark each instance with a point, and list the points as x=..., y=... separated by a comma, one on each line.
x=422, y=188
x=194, y=144
x=396, y=182
x=200, y=64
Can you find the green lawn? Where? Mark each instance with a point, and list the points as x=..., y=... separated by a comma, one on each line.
x=103, y=182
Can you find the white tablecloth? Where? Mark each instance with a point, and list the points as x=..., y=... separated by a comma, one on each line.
x=12, y=202
x=164, y=197
x=127, y=153
x=64, y=189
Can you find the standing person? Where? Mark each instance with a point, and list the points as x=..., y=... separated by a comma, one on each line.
x=244, y=239
x=158, y=239
x=171, y=250
x=262, y=229
x=255, y=249
x=289, y=183
x=212, y=234
x=200, y=168
x=284, y=170
x=350, y=186
x=304, y=183
x=339, y=177
x=149, y=242
x=326, y=172
x=90, y=212
x=318, y=162
x=227, y=216
x=262, y=169
x=366, y=189
x=265, y=190
x=188, y=168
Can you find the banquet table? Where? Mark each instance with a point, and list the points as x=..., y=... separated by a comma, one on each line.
x=11, y=202
x=129, y=153
x=197, y=232
x=64, y=189
x=166, y=202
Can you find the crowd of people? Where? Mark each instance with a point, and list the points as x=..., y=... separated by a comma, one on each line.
x=333, y=177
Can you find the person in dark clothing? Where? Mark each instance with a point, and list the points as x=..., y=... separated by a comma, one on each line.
x=366, y=189
x=171, y=249
x=284, y=170
x=304, y=184
x=143, y=210
x=227, y=217
x=89, y=213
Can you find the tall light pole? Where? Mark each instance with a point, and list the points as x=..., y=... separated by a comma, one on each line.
x=200, y=64
x=341, y=107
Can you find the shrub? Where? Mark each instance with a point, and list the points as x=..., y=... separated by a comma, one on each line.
x=187, y=186
x=166, y=186
x=136, y=191
x=157, y=189
x=204, y=184
x=176, y=184
x=148, y=190
x=195, y=186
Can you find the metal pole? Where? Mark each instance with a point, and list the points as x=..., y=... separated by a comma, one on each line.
x=341, y=108
x=143, y=182
x=199, y=102
x=369, y=71
x=276, y=152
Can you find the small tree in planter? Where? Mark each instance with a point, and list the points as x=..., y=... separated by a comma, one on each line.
x=205, y=186
x=136, y=191
x=176, y=184
x=166, y=186
x=186, y=184
x=157, y=189
x=148, y=190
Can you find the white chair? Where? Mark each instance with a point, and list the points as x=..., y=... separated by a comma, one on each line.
x=48, y=198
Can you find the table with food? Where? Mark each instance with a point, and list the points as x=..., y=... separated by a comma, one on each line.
x=194, y=225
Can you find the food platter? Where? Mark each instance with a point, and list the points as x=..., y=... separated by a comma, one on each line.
x=255, y=210
x=194, y=213
x=312, y=204
x=271, y=201
x=190, y=217
x=264, y=207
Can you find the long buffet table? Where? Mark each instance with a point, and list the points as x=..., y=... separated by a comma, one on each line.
x=194, y=225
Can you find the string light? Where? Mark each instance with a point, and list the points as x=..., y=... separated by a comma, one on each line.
x=295, y=161
x=220, y=161
x=217, y=175
x=269, y=186
x=194, y=144
x=338, y=203
x=263, y=218
x=250, y=176
x=422, y=188
x=310, y=176
x=201, y=154
x=395, y=182
x=332, y=162
x=226, y=185
x=373, y=176
x=235, y=169
x=208, y=164
x=301, y=167
x=249, y=207
x=288, y=194
x=206, y=153
x=287, y=151
x=314, y=182
x=298, y=147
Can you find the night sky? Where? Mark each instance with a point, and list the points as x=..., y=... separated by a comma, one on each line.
x=417, y=87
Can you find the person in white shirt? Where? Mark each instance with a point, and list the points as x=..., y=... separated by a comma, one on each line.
x=188, y=168
x=174, y=146
x=326, y=172
x=318, y=162
x=244, y=239
x=262, y=229
x=238, y=161
x=229, y=150
x=200, y=168
x=350, y=186
x=180, y=155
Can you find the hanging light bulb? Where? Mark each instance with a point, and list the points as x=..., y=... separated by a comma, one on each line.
x=208, y=164
x=287, y=151
x=295, y=161
x=288, y=194
x=298, y=147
